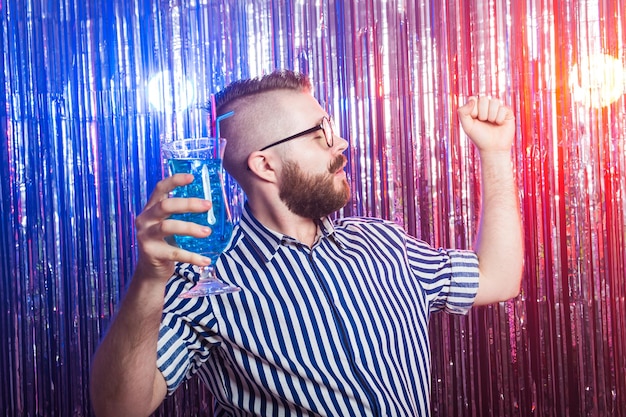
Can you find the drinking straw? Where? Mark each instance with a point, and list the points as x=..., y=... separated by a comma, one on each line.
x=218, y=119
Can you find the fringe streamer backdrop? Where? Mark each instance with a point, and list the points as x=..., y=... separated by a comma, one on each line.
x=91, y=87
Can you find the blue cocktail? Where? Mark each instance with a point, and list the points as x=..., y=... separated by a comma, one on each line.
x=202, y=158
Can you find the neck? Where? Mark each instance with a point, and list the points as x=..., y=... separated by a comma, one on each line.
x=280, y=219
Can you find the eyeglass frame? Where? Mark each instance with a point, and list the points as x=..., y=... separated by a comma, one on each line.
x=329, y=134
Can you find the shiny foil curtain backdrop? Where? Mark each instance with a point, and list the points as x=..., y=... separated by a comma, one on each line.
x=92, y=87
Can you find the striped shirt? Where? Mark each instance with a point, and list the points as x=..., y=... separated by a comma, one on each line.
x=339, y=329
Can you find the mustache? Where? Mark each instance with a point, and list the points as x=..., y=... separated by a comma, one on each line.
x=337, y=163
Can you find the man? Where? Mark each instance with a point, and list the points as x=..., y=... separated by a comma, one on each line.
x=332, y=317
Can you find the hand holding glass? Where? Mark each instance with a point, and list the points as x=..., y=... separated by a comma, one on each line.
x=202, y=157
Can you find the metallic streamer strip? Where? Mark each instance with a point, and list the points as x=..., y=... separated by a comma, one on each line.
x=82, y=129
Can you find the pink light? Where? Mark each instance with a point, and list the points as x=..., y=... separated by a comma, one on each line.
x=598, y=80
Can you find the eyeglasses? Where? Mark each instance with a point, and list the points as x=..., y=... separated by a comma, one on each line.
x=327, y=126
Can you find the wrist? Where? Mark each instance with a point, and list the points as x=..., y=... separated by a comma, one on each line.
x=148, y=282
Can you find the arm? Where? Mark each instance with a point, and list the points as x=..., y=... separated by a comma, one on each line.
x=499, y=244
x=124, y=378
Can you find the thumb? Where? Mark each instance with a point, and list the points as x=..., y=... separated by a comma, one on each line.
x=469, y=108
x=468, y=112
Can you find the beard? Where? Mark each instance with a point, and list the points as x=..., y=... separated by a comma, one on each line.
x=313, y=195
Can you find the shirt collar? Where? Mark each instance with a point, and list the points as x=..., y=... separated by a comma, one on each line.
x=267, y=241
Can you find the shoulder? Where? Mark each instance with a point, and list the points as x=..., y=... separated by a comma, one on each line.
x=368, y=224
x=370, y=228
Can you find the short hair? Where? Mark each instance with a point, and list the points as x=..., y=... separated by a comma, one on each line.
x=242, y=97
x=277, y=80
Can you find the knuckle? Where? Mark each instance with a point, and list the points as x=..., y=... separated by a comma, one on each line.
x=139, y=221
x=163, y=204
x=176, y=254
x=161, y=227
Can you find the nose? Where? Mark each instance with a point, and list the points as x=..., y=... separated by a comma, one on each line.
x=340, y=143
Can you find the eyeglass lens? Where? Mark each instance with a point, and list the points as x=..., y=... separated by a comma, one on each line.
x=329, y=131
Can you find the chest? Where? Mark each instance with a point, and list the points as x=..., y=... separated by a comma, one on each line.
x=324, y=302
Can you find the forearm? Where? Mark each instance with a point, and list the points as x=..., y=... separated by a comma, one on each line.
x=499, y=243
x=124, y=374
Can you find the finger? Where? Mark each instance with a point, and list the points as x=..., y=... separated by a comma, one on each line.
x=160, y=251
x=483, y=108
x=474, y=112
x=494, y=107
x=172, y=227
x=157, y=241
x=504, y=113
x=182, y=255
x=468, y=108
x=467, y=113
x=162, y=210
x=169, y=206
x=164, y=187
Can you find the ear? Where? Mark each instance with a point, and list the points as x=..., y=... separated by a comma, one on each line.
x=262, y=165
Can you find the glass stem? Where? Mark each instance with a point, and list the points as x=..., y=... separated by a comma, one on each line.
x=207, y=273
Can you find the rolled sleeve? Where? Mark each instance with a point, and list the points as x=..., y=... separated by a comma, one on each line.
x=186, y=332
x=172, y=358
x=463, y=285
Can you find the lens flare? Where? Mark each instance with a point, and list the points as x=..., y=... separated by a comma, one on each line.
x=167, y=92
x=597, y=80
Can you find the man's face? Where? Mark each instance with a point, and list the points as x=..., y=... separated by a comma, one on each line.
x=311, y=179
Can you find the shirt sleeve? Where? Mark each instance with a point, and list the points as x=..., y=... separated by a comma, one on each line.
x=185, y=335
x=463, y=284
x=449, y=277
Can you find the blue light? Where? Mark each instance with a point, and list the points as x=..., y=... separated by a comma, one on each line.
x=168, y=92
